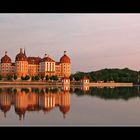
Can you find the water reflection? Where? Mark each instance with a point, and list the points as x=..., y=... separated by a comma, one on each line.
x=34, y=99
x=26, y=100
x=124, y=93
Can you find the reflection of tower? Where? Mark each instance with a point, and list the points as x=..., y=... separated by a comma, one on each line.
x=85, y=81
x=47, y=101
x=66, y=81
x=65, y=103
x=32, y=101
x=21, y=104
x=85, y=88
x=5, y=102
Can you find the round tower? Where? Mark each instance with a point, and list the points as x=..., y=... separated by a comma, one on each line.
x=21, y=64
x=5, y=65
x=65, y=65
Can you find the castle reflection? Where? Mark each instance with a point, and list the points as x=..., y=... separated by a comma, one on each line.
x=34, y=99
x=26, y=100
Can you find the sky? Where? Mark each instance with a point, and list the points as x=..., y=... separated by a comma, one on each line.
x=92, y=41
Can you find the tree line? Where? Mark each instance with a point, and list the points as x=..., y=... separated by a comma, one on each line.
x=32, y=78
x=110, y=93
x=106, y=75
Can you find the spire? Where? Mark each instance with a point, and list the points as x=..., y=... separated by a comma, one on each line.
x=24, y=116
x=5, y=114
x=64, y=115
x=20, y=117
x=20, y=50
x=24, y=52
x=45, y=55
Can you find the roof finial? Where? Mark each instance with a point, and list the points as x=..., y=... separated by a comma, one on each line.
x=45, y=55
x=24, y=51
x=5, y=114
x=5, y=52
x=64, y=115
x=65, y=52
x=20, y=50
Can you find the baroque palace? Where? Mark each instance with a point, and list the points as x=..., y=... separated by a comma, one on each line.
x=33, y=66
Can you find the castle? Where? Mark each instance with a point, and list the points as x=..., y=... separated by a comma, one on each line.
x=33, y=66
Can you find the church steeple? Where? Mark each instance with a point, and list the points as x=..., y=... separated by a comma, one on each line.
x=24, y=52
x=20, y=50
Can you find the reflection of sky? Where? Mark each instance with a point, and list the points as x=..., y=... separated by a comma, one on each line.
x=96, y=40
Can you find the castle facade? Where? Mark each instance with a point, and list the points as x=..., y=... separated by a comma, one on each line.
x=33, y=66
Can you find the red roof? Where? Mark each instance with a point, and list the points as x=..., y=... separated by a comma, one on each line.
x=85, y=78
x=21, y=56
x=34, y=60
x=57, y=63
x=64, y=109
x=6, y=59
x=47, y=59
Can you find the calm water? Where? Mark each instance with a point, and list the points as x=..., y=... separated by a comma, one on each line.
x=74, y=106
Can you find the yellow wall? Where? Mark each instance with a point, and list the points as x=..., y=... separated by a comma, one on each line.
x=21, y=68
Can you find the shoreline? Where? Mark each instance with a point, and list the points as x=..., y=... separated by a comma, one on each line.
x=59, y=84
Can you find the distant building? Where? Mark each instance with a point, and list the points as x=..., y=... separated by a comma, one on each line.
x=85, y=81
x=33, y=66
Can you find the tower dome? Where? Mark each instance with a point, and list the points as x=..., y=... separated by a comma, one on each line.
x=21, y=56
x=65, y=58
x=6, y=58
x=64, y=109
x=21, y=112
x=5, y=108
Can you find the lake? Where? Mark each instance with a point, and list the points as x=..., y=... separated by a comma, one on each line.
x=65, y=106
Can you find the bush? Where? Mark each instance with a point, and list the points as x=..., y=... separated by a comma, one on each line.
x=37, y=78
x=42, y=77
x=47, y=77
x=15, y=77
x=54, y=77
x=9, y=77
x=0, y=77
x=27, y=77
x=33, y=78
x=22, y=78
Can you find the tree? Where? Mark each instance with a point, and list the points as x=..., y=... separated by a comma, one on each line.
x=22, y=78
x=42, y=77
x=47, y=77
x=33, y=78
x=36, y=77
x=54, y=77
x=9, y=77
x=15, y=77
x=27, y=77
x=0, y=77
x=71, y=77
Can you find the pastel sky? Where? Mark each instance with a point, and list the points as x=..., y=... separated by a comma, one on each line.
x=93, y=41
